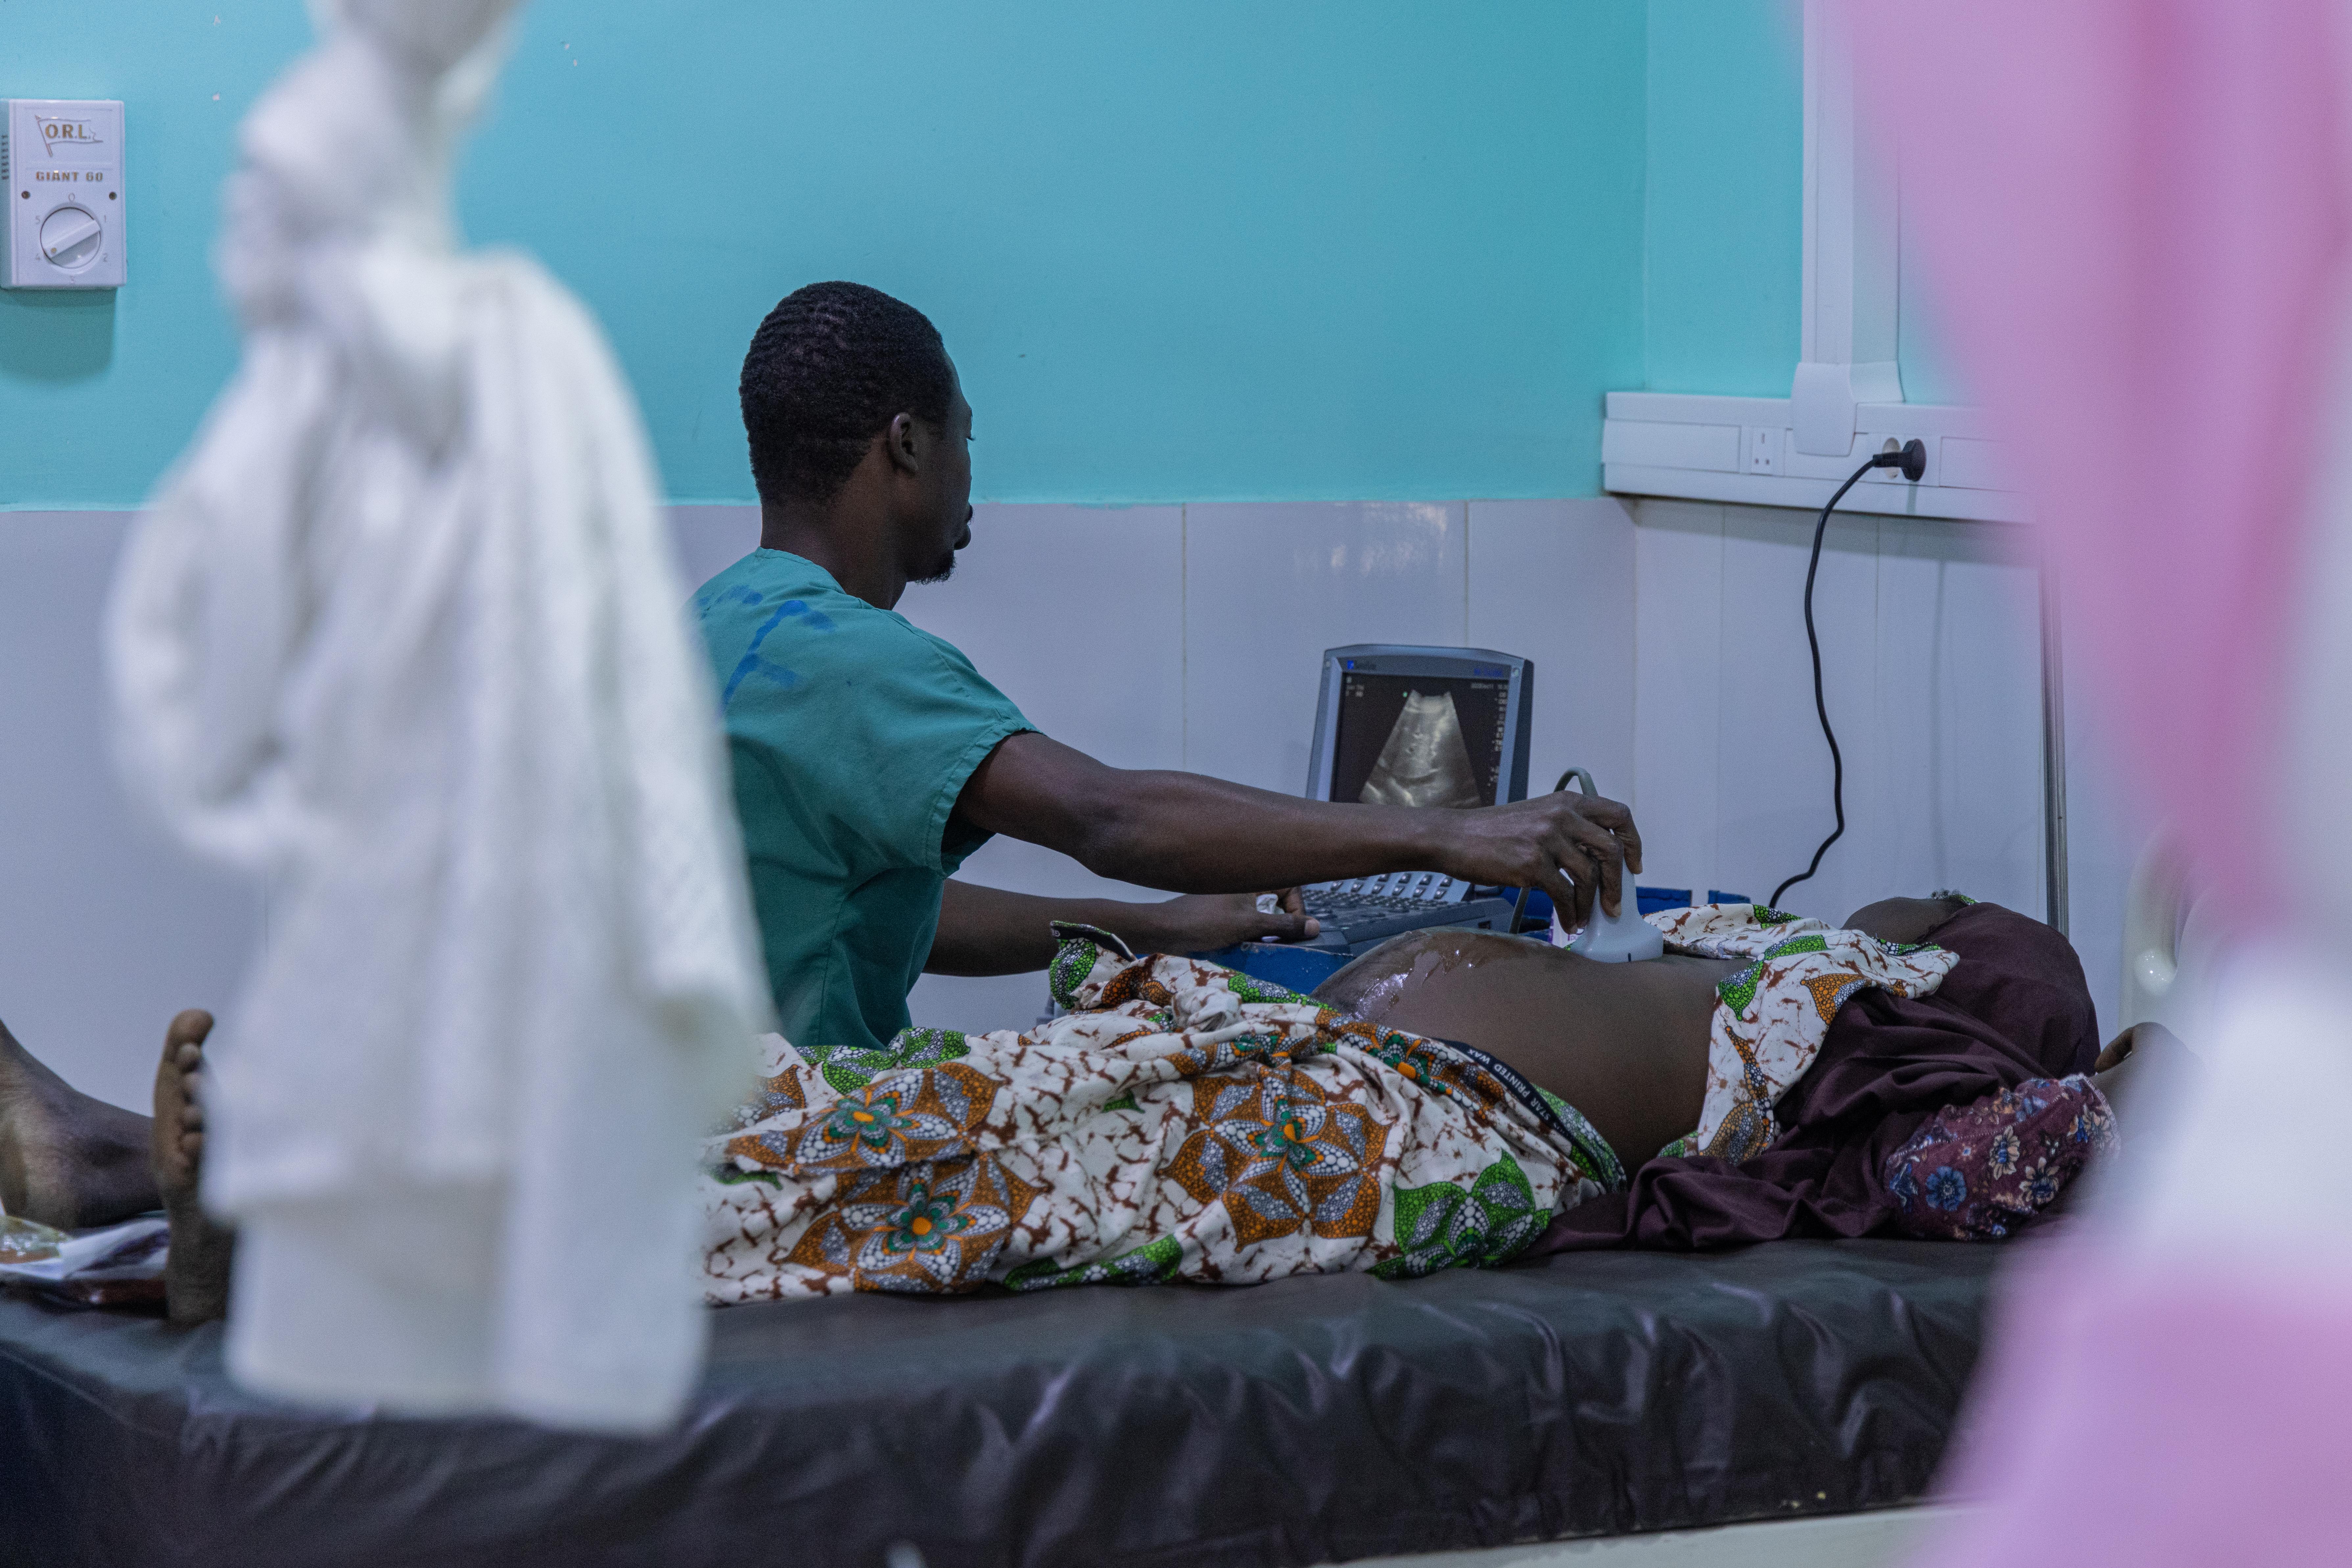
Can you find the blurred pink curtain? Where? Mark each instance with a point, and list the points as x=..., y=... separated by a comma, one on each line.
x=2134, y=216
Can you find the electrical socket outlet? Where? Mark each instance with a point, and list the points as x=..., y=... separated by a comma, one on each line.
x=1877, y=444
x=1763, y=450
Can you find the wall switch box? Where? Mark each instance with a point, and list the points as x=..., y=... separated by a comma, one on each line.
x=62, y=159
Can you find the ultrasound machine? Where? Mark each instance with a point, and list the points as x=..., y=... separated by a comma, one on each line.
x=1396, y=725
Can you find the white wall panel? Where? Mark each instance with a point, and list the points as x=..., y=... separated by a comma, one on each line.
x=1076, y=614
x=1678, y=618
x=1932, y=666
x=709, y=538
x=1958, y=797
x=1268, y=588
x=2106, y=828
x=1553, y=580
x=106, y=928
x=1773, y=768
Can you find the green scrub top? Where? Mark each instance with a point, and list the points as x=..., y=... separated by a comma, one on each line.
x=851, y=732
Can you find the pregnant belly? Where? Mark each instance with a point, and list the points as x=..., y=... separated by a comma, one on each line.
x=1623, y=1043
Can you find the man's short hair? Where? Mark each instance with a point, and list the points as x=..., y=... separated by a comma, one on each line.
x=829, y=368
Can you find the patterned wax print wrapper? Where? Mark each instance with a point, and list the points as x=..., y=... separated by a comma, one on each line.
x=105, y=1266
x=1771, y=1016
x=1182, y=1121
x=1977, y=1172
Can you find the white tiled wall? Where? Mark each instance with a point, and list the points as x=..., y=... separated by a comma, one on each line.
x=1930, y=644
x=709, y=538
x=106, y=930
x=1077, y=615
x=1931, y=672
x=1678, y=693
x=1547, y=581
x=2106, y=832
x=1670, y=660
x=1268, y=588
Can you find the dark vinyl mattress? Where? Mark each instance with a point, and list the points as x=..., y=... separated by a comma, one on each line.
x=1306, y=1421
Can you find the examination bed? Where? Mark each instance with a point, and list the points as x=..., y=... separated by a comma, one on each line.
x=1309, y=1420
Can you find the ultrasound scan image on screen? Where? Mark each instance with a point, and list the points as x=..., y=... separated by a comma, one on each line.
x=1419, y=740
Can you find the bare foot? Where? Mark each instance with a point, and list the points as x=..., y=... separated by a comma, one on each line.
x=195, y=1276
x=65, y=1159
x=2144, y=1060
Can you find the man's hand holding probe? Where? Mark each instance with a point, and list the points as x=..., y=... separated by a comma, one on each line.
x=1567, y=844
x=1191, y=834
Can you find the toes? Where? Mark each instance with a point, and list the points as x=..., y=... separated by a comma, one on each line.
x=183, y=1041
x=179, y=1131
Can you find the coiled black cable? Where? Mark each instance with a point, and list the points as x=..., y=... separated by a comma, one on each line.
x=1912, y=458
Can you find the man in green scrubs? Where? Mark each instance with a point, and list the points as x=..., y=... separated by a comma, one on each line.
x=870, y=757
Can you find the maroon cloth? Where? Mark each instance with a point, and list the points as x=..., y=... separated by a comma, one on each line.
x=2014, y=1008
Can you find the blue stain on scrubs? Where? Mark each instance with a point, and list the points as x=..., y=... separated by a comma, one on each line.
x=851, y=732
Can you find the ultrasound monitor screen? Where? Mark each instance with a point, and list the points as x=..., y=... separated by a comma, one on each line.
x=1419, y=740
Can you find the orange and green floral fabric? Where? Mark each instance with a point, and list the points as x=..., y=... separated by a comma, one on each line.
x=1771, y=1017
x=1180, y=1121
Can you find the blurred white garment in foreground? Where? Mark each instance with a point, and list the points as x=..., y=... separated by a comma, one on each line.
x=401, y=633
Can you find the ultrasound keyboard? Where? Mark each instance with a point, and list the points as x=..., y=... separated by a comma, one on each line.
x=1362, y=910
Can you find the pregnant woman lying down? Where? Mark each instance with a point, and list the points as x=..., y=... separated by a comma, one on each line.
x=1450, y=1100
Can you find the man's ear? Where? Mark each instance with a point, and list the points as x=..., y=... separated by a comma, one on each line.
x=905, y=443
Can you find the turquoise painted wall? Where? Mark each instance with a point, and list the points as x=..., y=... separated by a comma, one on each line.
x=1931, y=375
x=1723, y=238
x=1335, y=248
x=99, y=390
x=1218, y=251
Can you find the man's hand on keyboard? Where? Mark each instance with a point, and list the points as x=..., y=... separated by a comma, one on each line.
x=1201, y=922
x=1568, y=845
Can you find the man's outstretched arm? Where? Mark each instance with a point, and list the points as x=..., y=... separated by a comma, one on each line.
x=986, y=931
x=1191, y=834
